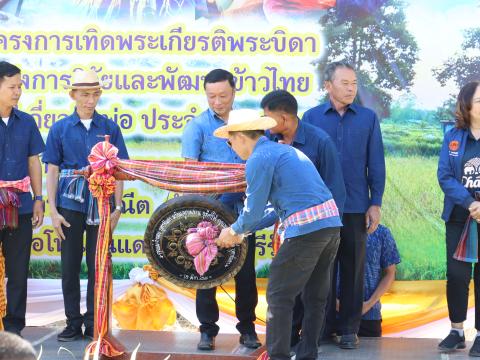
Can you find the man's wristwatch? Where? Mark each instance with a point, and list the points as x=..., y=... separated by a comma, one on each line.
x=38, y=198
x=119, y=208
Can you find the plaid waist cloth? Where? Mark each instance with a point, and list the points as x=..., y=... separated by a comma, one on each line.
x=323, y=211
x=10, y=202
x=77, y=189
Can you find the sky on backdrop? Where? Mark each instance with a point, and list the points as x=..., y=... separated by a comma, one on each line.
x=438, y=26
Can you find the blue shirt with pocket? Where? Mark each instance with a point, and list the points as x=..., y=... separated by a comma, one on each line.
x=19, y=140
x=358, y=139
x=199, y=143
x=68, y=145
x=286, y=177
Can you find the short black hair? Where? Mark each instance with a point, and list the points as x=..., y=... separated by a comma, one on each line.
x=8, y=70
x=332, y=67
x=280, y=100
x=219, y=75
x=13, y=347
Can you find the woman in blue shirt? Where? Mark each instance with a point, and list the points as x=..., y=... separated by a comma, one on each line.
x=459, y=178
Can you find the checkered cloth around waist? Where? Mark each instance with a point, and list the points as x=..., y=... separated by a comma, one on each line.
x=323, y=211
x=10, y=201
x=76, y=189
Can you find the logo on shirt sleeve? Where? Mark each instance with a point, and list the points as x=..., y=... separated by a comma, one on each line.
x=453, y=145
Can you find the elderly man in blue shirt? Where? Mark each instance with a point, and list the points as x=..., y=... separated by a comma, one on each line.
x=199, y=144
x=20, y=146
x=355, y=130
x=73, y=209
x=286, y=178
x=319, y=148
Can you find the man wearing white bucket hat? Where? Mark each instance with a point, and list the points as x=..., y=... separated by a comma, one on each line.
x=285, y=177
x=199, y=144
x=73, y=210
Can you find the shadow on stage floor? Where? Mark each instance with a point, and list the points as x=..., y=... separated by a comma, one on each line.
x=182, y=346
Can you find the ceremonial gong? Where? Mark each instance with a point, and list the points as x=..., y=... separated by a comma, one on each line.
x=167, y=235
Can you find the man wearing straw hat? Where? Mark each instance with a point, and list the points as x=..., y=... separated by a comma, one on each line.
x=20, y=145
x=285, y=177
x=73, y=210
x=199, y=144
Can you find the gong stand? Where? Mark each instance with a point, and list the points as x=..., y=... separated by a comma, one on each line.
x=109, y=297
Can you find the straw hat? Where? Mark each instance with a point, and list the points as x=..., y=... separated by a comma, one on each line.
x=86, y=80
x=244, y=120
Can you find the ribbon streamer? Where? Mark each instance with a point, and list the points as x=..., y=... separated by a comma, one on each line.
x=201, y=245
x=187, y=177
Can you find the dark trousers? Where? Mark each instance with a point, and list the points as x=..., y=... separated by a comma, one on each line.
x=246, y=298
x=302, y=265
x=71, y=256
x=370, y=328
x=351, y=262
x=16, y=246
x=459, y=274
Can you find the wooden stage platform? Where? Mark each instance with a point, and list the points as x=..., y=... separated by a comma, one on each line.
x=182, y=346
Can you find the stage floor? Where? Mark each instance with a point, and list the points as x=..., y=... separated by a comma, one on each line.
x=176, y=343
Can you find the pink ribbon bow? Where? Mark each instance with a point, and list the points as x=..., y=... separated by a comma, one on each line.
x=201, y=245
x=103, y=157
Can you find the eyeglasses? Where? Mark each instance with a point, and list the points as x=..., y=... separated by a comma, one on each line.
x=229, y=143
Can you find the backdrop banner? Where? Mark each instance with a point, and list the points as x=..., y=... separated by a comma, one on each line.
x=410, y=66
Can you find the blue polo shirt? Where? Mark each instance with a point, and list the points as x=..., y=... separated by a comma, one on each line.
x=18, y=141
x=68, y=145
x=286, y=177
x=199, y=143
x=319, y=148
x=358, y=139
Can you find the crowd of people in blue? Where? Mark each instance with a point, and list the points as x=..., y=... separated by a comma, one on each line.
x=322, y=178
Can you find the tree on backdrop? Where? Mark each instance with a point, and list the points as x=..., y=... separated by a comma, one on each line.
x=460, y=68
x=378, y=44
x=463, y=66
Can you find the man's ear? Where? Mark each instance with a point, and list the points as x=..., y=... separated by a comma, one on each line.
x=327, y=85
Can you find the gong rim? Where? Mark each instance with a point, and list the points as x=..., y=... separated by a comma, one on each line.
x=156, y=253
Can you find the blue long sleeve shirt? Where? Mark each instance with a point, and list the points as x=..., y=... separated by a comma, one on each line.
x=319, y=148
x=358, y=139
x=288, y=179
x=450, y=172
